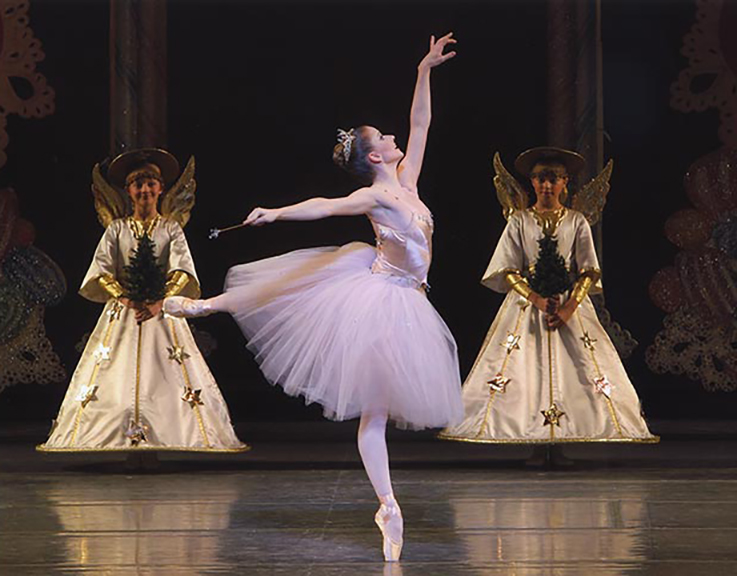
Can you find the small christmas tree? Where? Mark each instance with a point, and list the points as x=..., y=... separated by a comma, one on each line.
x=550, y=277
x=144, y=279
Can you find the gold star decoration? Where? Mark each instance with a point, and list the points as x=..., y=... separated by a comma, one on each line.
x=86, y=395
x=603, y=386
x=511, y=343
x=101, y=353
x=498, y=383
x=588, y=341
x=552, y=416
x=115, y=309
x=192, y=397
x=177, y=353
x=136, y=432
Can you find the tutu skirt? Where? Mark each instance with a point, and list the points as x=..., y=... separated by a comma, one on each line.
x=323, y=326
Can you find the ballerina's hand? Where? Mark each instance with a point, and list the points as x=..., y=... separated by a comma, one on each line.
x=260, y=216
x=435, y=55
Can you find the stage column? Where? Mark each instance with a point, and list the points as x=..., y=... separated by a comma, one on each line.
x=575, y=95
x=138, y=82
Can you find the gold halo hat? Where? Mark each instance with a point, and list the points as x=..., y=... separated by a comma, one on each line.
x=526, y=161
x=123, y=164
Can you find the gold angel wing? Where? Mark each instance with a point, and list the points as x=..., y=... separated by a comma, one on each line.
x=591, y=198
x=179, y=200
x=109, y=202
x=511, y=194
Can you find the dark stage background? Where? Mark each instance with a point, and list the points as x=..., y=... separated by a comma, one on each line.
x=256, y=91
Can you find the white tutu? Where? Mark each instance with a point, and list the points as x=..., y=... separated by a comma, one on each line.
x=323, y=326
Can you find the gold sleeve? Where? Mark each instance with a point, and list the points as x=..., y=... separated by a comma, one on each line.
x=176, y=282
x=519, y=284
x=584, y=283
x=110, y=285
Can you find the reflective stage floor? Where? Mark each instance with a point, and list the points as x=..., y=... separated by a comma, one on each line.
x=299, y=504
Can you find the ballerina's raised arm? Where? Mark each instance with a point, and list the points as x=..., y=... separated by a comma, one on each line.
x=372, y=156
x=421, y=111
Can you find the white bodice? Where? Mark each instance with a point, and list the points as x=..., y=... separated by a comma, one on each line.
x=405, y=253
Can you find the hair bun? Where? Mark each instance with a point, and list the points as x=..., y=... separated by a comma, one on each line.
x=339, y=155
x=351, y=153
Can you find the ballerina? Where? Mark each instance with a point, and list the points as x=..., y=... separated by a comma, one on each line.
x=350, y=327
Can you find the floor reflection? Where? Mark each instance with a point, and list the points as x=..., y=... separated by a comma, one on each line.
x=566, y=524
x=140, y=520
x=484, y=519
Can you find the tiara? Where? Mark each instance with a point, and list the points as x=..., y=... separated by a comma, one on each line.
x=346, y=139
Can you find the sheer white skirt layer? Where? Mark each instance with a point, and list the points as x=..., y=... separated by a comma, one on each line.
x=323, y=326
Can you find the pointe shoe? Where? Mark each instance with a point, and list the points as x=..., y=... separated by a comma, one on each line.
x=181, y=307
x=390, y=522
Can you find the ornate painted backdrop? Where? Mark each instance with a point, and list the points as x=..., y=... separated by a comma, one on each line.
x=29, y=279
x=698, y=291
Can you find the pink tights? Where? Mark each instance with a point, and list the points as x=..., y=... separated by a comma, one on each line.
x=374, y=453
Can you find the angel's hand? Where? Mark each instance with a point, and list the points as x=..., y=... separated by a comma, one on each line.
x=562, y=316
x=128, y=303
x=155, y=308
x=261, y=216
x=435, y=55
x=142, y=314
x=539, y=302
x=552, y=306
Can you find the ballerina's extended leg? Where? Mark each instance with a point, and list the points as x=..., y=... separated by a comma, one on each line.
x=375, y=457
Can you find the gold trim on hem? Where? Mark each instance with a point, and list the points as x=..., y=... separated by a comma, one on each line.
x=558, y=440
x=245, y=448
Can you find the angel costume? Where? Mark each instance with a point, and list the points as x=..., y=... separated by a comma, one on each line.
x=351, y=327
x=141, y=386
x=530, y=384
